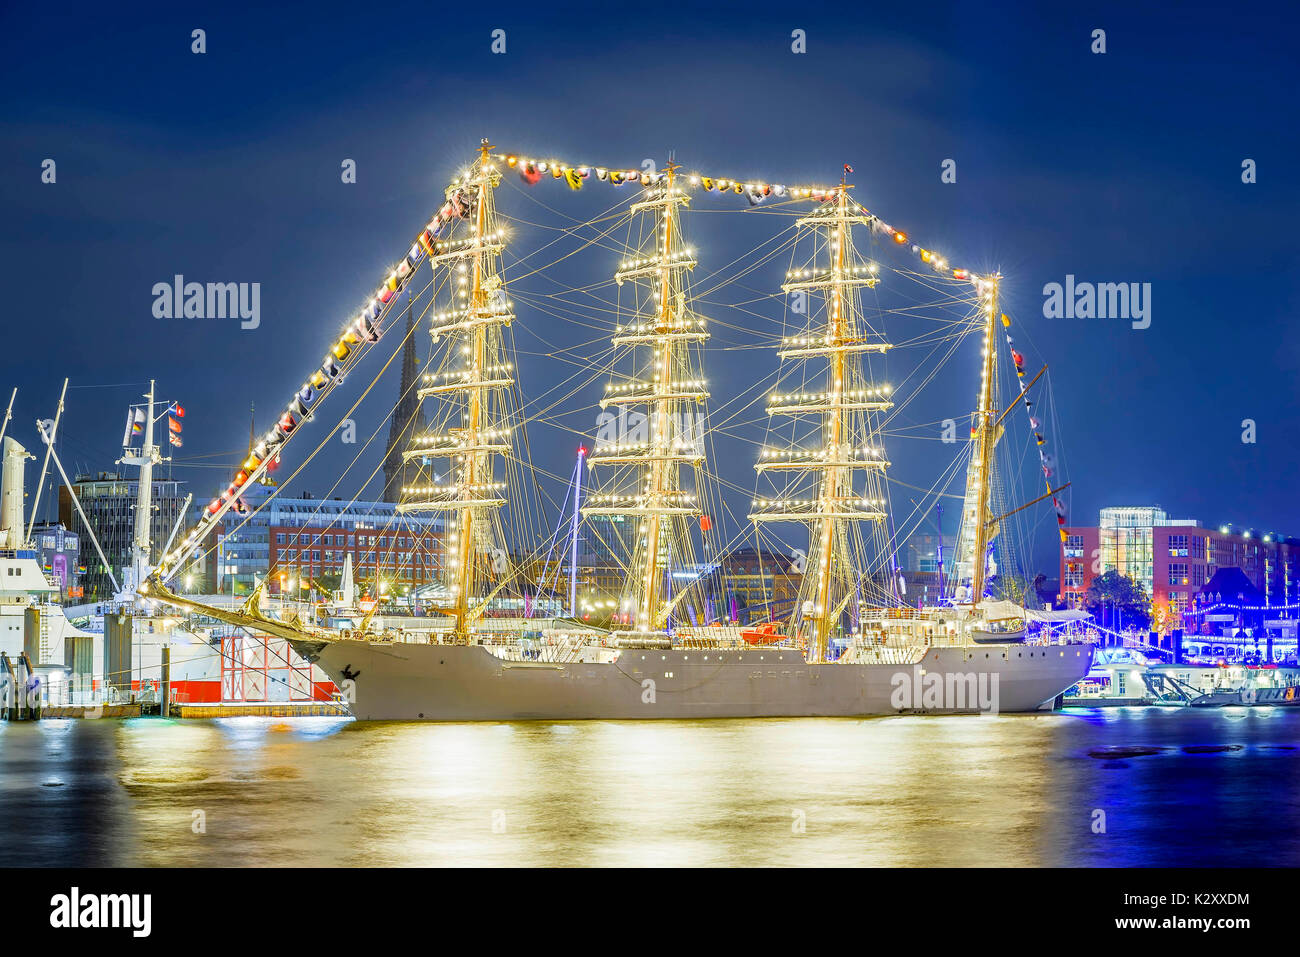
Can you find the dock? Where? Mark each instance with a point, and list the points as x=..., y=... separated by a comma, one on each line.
x=274, y=709
x=280, y=709
x=100, y=711
x=1105, y=701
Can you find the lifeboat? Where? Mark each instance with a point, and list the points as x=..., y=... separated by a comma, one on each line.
x=1003, y=622
x=768, y=633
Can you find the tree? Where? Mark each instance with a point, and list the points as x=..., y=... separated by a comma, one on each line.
x=1015, y=588
x=1116, y=600
x=1164, y=619
x=1036, y=589
x=328, y=581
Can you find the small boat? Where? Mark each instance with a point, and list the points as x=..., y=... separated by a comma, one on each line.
x=1285, y=696
x=999, y=633
x=768, y=633
x=1003, y=622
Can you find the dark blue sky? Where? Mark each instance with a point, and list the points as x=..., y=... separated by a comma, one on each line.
x=225, y=167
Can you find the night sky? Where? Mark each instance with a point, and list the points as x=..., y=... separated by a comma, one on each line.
x=1121, y=167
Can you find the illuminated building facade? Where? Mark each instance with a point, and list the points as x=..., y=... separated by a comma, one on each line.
x=306, y=539
x=1174, y=558
x=108, y=500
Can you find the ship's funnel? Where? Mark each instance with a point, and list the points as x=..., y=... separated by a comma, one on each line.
x=11, y=494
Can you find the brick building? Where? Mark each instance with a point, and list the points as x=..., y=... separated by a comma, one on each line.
x=386, y=558
x=1174, y=558
x=305, y=538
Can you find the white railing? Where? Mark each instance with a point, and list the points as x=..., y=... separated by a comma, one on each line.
x=883, y=654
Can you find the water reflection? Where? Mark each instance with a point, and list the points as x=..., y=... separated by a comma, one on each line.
x=906, y=791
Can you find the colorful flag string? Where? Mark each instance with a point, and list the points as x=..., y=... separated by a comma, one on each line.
x=532, y=171
x=1045, y=458
x=460, y=200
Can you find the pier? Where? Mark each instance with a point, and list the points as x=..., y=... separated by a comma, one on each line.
x=271, y=709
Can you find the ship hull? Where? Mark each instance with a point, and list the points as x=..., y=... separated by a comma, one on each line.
x=400, y=681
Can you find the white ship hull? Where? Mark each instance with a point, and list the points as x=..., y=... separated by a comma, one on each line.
x=433, y=682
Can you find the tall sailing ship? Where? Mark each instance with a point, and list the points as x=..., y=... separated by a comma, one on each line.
x=851, y=645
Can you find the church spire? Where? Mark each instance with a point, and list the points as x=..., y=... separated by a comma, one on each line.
x=407, y=421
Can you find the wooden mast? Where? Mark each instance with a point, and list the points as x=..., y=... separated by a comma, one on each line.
x=465, y=556
x=470, y=444
x=662, y=380
x=668, y=333
x=985, y=435
x=834, y=434
x=837, y=457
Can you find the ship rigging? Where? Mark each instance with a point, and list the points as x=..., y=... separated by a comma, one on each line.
x=825, y=456
x=845, y=404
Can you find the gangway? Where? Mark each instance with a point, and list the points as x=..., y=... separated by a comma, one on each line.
x=1166, y=689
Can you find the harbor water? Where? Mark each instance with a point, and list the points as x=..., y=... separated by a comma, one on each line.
x=1115, y=787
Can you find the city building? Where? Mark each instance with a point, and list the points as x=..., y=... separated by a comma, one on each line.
x=761, y=586
x=925, y=563
x=923, y=552
x=747, y=585
x=1231, y=609
x=390, y=554
x=1173, y=559
x=59, y=552
x=604, y=552
x=304, y=540
x=922, y=589
x=108, y=499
